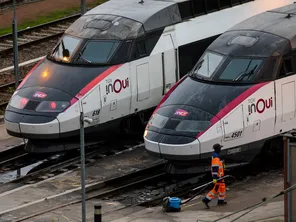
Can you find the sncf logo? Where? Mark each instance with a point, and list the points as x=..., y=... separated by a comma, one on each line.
x=259, y=106
x=181, y=112
x=39, y=95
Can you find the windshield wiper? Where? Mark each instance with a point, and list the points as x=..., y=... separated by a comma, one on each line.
x=83, y=59
x=195, y=68
x=245, y=73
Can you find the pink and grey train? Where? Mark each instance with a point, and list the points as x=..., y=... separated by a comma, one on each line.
x=241, y=93
x=115, y=63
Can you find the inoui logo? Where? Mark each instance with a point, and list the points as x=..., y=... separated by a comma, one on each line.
x=117, y=86
x=260, y=106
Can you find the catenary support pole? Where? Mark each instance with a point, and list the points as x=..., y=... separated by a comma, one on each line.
x=15, y=45
x=286, y=183
x=289, y=179
x=82, y=7
x=98, y=213
x=82, y=165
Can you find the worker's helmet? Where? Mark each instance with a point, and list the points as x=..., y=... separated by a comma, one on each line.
x=217, y=147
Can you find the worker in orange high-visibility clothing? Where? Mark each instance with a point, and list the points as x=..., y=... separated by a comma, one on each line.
x=217, y=172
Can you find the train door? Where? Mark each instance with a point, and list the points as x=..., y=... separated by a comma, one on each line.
x=233, y=125
x=91, y=106
x=143, y=81
x=285, y=91
x=169, y=58
x=140, y=77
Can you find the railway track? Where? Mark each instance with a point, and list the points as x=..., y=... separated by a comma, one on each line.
x=7, y=4
x=125, y=189
x=11, y=153
x=37, y=34
x=128, y=186
x=111, y=187
x=54, y=166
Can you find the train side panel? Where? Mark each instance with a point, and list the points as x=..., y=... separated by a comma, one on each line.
x=115, y=92
x=285, y=104
x=248, y=118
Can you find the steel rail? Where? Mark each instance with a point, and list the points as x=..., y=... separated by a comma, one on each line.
x=10, y=153
x=73, y=163
x=64, y=166
x=122, y=184
x=13, y=159
x=109, y=187
x=6, y=4
x=30, y=38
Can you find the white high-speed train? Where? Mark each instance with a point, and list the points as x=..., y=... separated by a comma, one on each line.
x=241, y=94
x=115, y=63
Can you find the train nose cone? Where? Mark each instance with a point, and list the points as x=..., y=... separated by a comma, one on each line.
x=32, y=112
x=172, y=131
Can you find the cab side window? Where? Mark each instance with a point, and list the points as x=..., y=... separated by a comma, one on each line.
x=122, y=54
x=286, y=67
x=268, y=71
x=141, y=45
x=144, y=46
x=139, y=49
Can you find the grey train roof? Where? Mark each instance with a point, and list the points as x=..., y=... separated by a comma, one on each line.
x=152, y=14
x=125, y=19
x=129, y=19
x=274, y=22
x=262, y=35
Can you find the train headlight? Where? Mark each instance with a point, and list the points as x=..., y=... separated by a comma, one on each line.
x=52, y=106
x=145, y=133
x=18, y=102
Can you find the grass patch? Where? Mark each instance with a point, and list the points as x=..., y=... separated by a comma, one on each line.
x=50, y=17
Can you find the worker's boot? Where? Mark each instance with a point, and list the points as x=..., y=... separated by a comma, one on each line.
x=221, y=202
x=206, y=202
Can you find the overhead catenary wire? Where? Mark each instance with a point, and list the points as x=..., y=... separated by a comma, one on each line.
x=254, y=206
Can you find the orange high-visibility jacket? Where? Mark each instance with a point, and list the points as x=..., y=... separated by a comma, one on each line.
x=217, y=166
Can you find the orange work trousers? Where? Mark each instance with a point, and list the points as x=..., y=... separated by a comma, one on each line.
x=220, y=190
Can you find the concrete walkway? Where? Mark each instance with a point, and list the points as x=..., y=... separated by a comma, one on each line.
x=241, y=195
x=271, y=212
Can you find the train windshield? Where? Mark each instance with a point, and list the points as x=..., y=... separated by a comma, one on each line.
x=65, y=50
x=98, y=51
x=241, y=70
x=208, y=64
x=220, y=68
